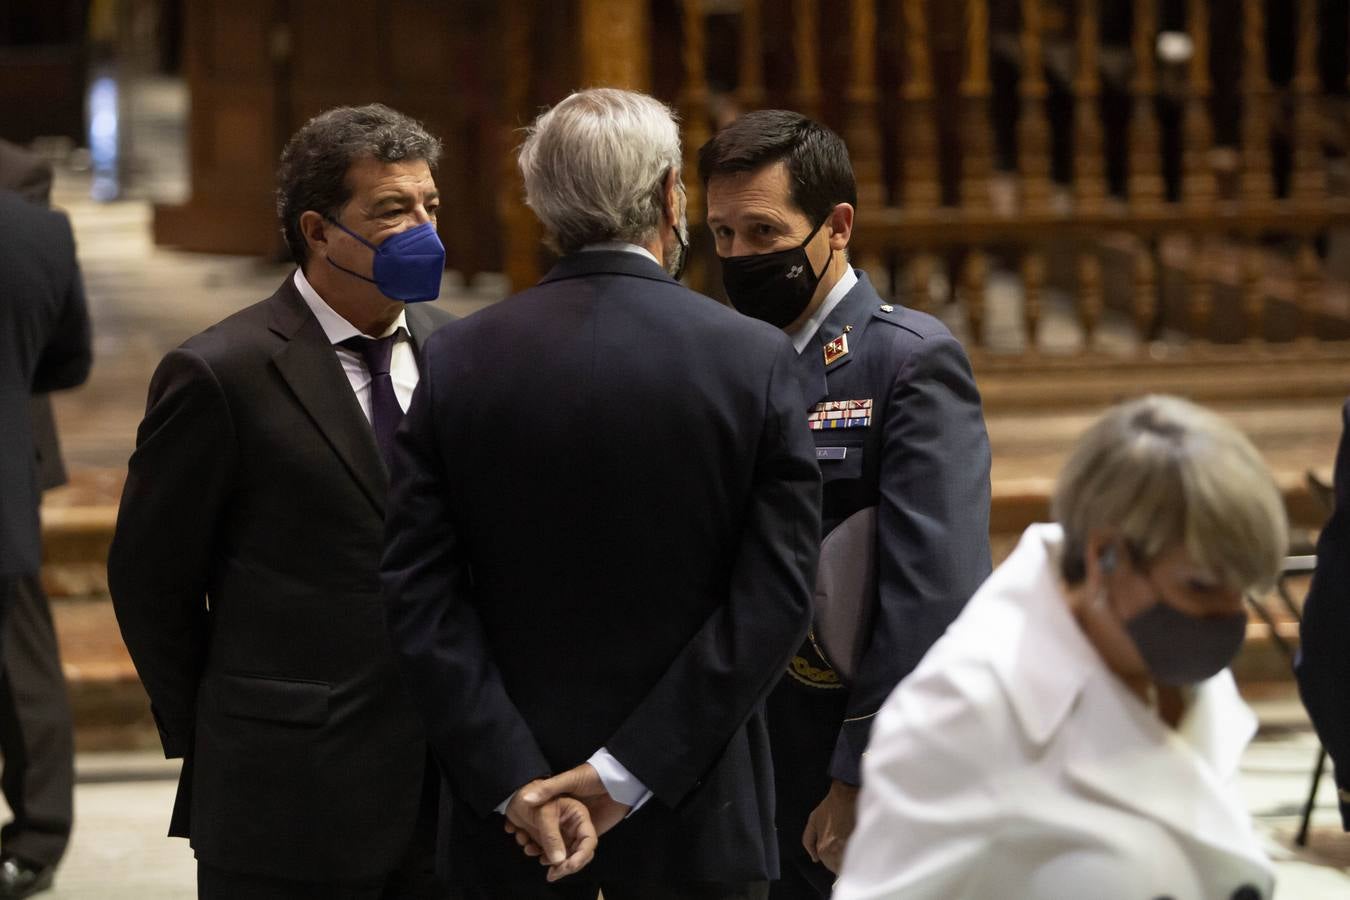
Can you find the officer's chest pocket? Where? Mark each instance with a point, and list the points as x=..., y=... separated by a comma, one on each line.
x=840, y=458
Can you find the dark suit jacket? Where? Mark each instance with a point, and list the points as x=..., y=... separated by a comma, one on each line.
x=245, y=575
x=44, y=346
x=1323, y=666
x=604, y=531
x=924, y=462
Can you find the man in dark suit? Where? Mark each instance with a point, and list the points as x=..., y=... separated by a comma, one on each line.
x=245, y=565
x=602, y=539
x=36, y=731
x=897, y=424
x=1323, y=666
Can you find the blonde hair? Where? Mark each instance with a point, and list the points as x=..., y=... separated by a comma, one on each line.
x=1162, y=472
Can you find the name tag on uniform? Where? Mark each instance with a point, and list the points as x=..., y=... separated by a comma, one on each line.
x=831, y=452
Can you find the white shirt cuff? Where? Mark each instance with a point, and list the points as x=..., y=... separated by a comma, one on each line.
x=621, y=784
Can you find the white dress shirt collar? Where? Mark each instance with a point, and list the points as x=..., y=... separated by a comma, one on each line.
x=335, y=326
x=803, y=337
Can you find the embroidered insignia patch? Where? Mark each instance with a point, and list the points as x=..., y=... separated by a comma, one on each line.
x=836, y=349
x=840, y=414
x=813, y=676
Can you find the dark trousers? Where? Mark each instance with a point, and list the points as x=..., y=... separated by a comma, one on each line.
x=36, y=734
x=616, y=890
x=804, y=724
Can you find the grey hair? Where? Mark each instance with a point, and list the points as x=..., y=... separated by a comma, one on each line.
x=1162, y=472
x=312, y=173
x=594, y=167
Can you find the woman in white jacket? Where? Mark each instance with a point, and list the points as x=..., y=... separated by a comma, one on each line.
x=1076, y=733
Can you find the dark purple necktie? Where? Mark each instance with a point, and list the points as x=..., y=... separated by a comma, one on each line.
x=385, y=413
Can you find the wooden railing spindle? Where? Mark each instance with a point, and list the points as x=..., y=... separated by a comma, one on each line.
x=1253, y=292
x=1309, y=176
x=975, y=277
x=1033, y=126
x=921, y=268
x=1200, y=307
x=1309, y=289
x=1033, y=280
x=976, y=151
x=1089, y=165
x=1145, y=305
x=862, y=130
x=1197, y=172
x=1145, y=162
x=1089, y=296
x=918, y=128
x=1257, y=185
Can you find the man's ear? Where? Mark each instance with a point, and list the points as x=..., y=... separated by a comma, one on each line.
x=314, y=229
x=673, y=187
x=840, y=224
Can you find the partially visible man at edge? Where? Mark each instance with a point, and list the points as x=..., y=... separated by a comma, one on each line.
x=245, y=565
x=603, y=533
x=896, y=416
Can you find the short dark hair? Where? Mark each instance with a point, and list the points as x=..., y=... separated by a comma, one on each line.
x=817, y=160
x=313, y=169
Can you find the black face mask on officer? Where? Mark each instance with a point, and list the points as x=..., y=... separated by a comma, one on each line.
x=774, y=287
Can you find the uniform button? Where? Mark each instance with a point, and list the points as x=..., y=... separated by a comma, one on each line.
x=1247, y=892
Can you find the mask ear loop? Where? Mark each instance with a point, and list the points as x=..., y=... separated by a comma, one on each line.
x=342, y=268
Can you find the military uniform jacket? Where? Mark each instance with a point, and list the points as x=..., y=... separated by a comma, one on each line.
x=897, y=425
x=245, y=575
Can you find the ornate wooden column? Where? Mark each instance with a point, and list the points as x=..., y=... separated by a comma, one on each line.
x=805, y=32
x=918, y=128
x=615, y=37
x=1033, y=125
x=694, y=112
x=976, y=127
x=750, y=87
x=1257, y=183
x=522, y=232
x=1089, y=177
x=1145, y=181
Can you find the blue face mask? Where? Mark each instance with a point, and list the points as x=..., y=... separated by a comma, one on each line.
x=407, y=266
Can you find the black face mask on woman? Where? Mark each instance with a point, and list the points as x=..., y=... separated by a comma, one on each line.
x=1180, y=649
x=774, y=287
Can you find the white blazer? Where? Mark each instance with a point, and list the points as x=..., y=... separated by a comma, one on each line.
x=1013, y=764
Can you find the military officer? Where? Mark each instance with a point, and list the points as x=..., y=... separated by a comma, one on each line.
x=892, y=404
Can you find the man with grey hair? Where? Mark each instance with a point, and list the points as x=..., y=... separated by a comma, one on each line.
x=602, y=540
x=245, y=565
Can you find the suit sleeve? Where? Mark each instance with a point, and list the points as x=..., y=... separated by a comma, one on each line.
x=1323, y=666
x=679, y=729
x=160, y=562
x=65, y=360
x=932, y=529
x=485, y=746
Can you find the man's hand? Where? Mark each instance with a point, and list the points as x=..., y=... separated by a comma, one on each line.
x=827, y=831
x=584, y=783
x=558, y=829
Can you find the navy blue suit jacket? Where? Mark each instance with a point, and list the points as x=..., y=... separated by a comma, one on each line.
x=603, y=532
x=924, y=462
x=1323, y=666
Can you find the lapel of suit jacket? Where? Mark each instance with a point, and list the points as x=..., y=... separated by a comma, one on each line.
x=849, y=318
x=311, y=367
